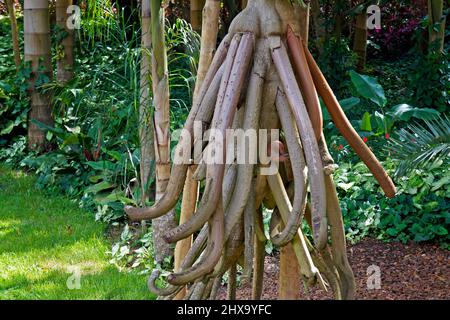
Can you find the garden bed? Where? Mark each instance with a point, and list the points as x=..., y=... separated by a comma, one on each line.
x=408, y=272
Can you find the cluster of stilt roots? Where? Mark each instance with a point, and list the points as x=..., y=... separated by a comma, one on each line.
x=263, y=77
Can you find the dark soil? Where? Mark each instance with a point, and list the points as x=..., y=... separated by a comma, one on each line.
x=412, y=271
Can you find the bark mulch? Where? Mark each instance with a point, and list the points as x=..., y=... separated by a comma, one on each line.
x=412, y=271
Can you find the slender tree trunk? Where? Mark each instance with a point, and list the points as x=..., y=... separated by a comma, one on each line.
x=65, y=58
x=14, y=32
x=435, y=14
x=210, y=29
x=145, y=104
x=160, y=82
x=196, y=14
x=38, y=54
x=360, y=41
x=208, y=41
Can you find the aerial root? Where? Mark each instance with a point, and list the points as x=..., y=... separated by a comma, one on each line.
x=310, y=145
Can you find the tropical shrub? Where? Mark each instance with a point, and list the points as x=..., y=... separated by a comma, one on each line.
x=420, y=212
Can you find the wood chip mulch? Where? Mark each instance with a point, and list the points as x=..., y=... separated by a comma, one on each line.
x=408, y=272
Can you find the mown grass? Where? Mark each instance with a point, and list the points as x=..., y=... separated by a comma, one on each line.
x=44, y=238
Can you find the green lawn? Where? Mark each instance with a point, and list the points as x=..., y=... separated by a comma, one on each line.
x=44, y=239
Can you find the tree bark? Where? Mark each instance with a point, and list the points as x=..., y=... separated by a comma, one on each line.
x=65, y=57
x=38, y=54
x=196, y=14
x=160, y=82
x=289, y=284
x=302, y=12
x=435, y=14
x=360, y=41
x=145, y=104
x=211, y=13
x=14, y=32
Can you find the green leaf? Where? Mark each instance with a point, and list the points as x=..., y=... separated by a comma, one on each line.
x=369, y=88
x=405, y=112
x=349, y=103
x=365, y=123
x=440, y=230
x=96, y=188
x=346, y=186
x=102, y=165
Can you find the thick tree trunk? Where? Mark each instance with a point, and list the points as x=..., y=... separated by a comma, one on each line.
x=210, y=29
x=196, y=14
x=360, y=41
x=38, y=54
x=65, y=57
x=435, y=14
x=160, y=81
x=14, y=32
x=145, y=104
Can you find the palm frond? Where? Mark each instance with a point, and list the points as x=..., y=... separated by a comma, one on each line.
x=418, y=146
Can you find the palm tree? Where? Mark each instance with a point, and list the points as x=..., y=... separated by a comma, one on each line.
x=145, y=116
x=418, y=145
x=38, y=54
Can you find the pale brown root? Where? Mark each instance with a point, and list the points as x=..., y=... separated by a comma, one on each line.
x=251, y=119
x=310, y=146
x=307, y=268
x=249, y=234
x=215, y=172
x=211, y=255
x=151, y=283
x=232, y=282
x=172, y=291
x=323, y=263
x=298, y=168
x=198, y=290
x=200, y=172
x=233, y=249
x=345, y=128
x=338, y=242
x=178, y=172
x=305, y=82
x=208, y=289
x=229, y=183
x=215, y=288
x=258, y=264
